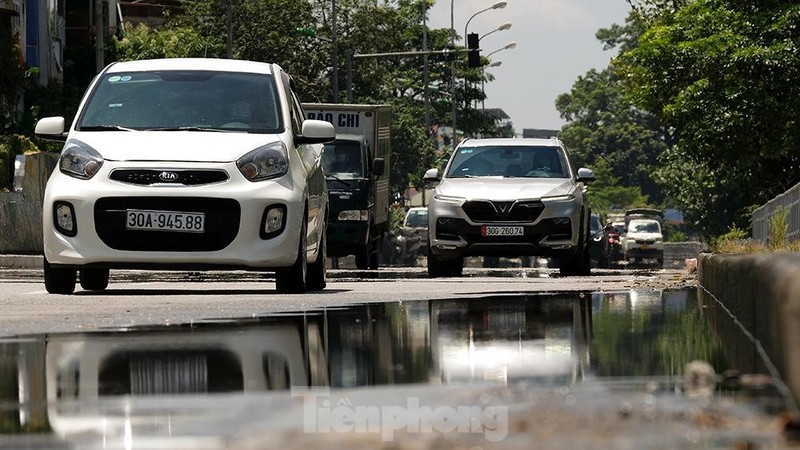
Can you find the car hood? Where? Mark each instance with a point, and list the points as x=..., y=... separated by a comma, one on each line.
x=505, y=188
x=173, y=145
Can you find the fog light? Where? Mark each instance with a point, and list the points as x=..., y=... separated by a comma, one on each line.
x=64, y=218
x=564, y=220
x=273, y=221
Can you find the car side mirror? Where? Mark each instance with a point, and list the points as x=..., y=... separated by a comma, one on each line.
x=316, y=132
x=51, y=128
x=378, y=166
x=585, y=175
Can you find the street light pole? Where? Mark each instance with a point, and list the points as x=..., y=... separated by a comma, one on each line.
x=498, y=5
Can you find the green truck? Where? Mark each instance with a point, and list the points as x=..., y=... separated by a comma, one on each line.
x=356, y=167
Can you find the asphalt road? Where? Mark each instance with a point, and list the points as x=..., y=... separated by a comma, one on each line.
x=136, y=298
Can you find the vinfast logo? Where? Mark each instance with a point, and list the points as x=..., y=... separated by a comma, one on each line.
x=502, y=207
x=168, y=176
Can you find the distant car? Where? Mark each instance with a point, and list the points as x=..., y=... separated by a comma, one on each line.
x=187, y=164
x=643, y=239
x=413, y=237
x=509, y=198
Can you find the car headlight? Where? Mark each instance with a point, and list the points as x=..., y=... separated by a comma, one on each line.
x=449, y=199
x=78, y=160
x=559, y=198
x=264, y=162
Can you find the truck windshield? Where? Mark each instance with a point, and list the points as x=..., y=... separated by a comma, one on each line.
x=343, y=159
x=645, y=227
x=183, y=100
x=508, y=161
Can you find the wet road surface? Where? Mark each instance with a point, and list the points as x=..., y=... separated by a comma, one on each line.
x=601, y=369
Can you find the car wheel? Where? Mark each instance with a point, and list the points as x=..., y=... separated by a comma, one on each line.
x=59, y=281
x=455, y=267
x=316, y=278
x=94, y=279
x=660, y=262
x=292, y=280
x=374, y=260
x=436, y=267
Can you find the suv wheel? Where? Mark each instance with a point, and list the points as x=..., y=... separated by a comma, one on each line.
x=59, y=281
x=439, y=267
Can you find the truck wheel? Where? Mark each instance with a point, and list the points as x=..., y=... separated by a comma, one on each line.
x=94, y=279
x=59, y=281
x=292, y=280
x=316, y=278
x=362, y=257
x=374, y=260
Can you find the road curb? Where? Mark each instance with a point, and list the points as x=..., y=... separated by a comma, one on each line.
x=21, y=261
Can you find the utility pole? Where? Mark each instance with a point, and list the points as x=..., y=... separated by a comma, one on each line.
x=335, y=55
x=99, y=33
x=229, y=23
x=425, y=70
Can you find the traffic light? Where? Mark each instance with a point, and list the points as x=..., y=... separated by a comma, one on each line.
x=474, y=54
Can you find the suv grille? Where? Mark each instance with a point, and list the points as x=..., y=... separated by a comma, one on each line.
x=493, y=211
x=146, y=177
x=221, y=224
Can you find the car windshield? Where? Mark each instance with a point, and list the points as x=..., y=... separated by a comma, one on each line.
x=183, y=100
x=645, y=227
x=343, y=159
x=508, y=161
x=417, y=219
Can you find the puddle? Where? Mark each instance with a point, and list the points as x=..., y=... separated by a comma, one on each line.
x=64, y=384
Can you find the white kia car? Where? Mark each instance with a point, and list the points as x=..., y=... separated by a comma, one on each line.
x=509, y=197
x=187, y=164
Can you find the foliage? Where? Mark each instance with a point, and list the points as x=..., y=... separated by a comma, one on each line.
x=172, y=41
x=721, y=74
x=606, y=193
x=12, y=82
x=778, y=227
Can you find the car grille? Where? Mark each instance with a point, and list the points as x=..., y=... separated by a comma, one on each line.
x=147, y=177
x=494, y=211
x=221, y=224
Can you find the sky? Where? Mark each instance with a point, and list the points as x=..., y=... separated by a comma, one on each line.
x=556, y=44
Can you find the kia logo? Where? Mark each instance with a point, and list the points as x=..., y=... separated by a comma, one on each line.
x=168, y=176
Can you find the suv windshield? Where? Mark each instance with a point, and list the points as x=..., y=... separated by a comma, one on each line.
x=508, y=161
x=645, y=227
x=183, y=100
x=417, y=218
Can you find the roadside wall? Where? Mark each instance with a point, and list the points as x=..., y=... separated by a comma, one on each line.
x=21, y=212
x=763, y=293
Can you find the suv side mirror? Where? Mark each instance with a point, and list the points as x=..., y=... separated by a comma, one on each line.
x=585, y=175
x=378, y=166
x=430, y=178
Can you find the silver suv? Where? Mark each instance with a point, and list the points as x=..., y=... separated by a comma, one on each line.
x=508, y=197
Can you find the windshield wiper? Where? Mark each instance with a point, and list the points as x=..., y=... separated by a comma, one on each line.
x=217, y=130
x=330, y=175
x=105, y=128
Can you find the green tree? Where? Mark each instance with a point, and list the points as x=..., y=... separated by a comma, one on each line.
x=606, y=193
x=723, y=75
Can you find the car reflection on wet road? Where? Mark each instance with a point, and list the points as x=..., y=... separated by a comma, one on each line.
x=159, y=385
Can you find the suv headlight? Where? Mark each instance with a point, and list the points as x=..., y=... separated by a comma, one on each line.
x=78, y=160
x=559, y=198
x=264, y=162
x=449, y=199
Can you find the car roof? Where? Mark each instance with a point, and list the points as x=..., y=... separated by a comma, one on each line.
x=552, y=142
x=211, y=64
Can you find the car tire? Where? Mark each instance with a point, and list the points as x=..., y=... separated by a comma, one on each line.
x=316, y=277
x=580, y=263
x=94, y=279
x=292, y=280
x=59, y=281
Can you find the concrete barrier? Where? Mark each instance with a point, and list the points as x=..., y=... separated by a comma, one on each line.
x=762, y=292
x=21, y=212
